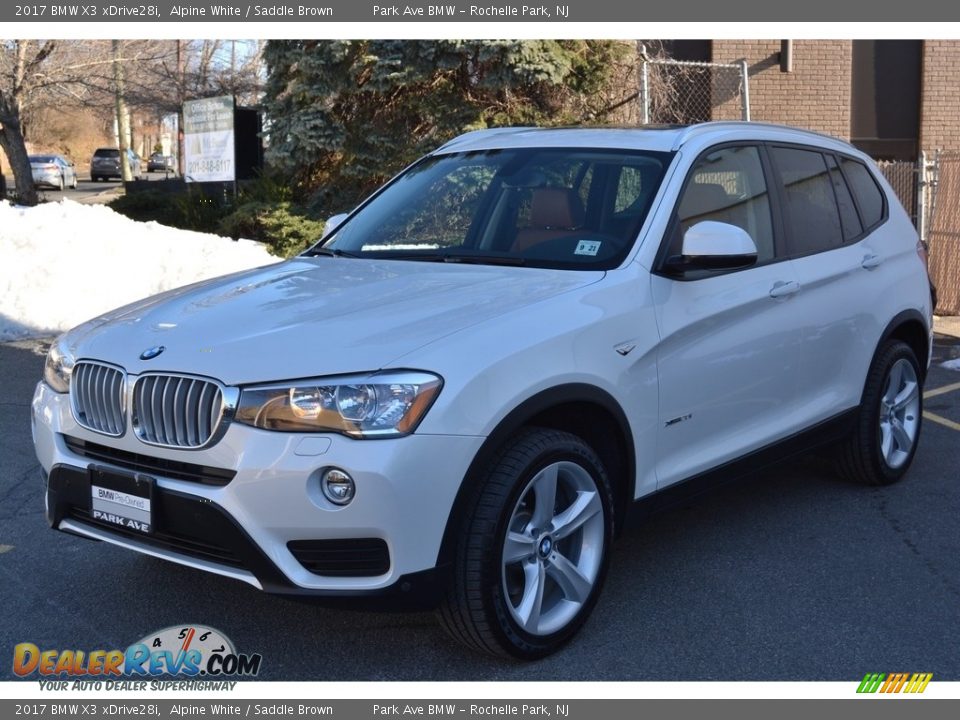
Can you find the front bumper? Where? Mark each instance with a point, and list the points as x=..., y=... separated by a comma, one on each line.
x=240, y=526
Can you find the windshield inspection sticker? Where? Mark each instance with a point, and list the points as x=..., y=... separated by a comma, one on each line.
x=587, y=247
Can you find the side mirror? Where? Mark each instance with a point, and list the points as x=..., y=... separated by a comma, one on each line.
x=711, y=245
x=333, y=222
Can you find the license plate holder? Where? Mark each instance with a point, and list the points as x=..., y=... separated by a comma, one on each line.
x=122, y=499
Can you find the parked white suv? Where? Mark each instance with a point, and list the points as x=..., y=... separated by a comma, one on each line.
x=465, y=387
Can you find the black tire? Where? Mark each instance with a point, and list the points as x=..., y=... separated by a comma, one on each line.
x=478, y=607
x=862, y=456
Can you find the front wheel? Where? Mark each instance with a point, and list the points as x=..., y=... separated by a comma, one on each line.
x=534, y=550
x=881, y=448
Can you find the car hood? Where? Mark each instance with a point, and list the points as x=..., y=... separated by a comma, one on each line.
x=312, y=316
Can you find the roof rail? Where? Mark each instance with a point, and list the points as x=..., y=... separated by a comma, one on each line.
x=692, y=131
x=486, y=132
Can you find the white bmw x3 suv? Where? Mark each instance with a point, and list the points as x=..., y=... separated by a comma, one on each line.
x=471, y=383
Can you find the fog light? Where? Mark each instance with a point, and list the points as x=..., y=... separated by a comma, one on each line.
x=337, y=486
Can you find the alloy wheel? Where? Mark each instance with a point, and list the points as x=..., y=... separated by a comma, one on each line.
x=553, y=549
x=899, y=413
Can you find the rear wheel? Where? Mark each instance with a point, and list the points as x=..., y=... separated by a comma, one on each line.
x=882, y=446
x=534, y=550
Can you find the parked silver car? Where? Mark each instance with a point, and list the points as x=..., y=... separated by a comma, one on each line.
x=53, y=171
x=105, y=164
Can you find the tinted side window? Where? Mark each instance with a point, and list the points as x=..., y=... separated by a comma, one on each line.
x=811, y=218
x=848, y=211
x=728, y=186
x=868, y=194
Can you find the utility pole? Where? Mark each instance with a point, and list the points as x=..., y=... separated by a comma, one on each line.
x=123, y=117
x=180, y=98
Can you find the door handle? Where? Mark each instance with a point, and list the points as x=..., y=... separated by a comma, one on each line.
x=783, y=288
x=870, y=261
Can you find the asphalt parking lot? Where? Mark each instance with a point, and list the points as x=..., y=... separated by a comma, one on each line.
x=88, y=191
x=789, y=575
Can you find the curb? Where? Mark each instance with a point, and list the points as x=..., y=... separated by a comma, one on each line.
x=947, y=325
x=101, y=197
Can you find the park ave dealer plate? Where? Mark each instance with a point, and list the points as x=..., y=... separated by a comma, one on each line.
x=121, y=499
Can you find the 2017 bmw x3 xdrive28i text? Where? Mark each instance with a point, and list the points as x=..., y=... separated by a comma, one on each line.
x=466, y=385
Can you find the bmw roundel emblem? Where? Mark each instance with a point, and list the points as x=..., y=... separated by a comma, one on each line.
x=151, y=353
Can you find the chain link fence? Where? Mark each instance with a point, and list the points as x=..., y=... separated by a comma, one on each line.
x=675, y=91
x=943, y=231
x=903, y=178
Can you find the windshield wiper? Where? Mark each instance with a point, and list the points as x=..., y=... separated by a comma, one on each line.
x=445, y=257
x=484, y=259
x=455, y=257
x=330, y=252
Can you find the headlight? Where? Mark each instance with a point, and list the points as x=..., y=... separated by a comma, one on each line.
x=59, y=366
x=385, y=404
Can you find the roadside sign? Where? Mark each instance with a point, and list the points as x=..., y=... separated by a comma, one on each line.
x=208, y=140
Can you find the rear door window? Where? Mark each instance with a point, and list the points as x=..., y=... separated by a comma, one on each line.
x=849, y=219
x=811, y=215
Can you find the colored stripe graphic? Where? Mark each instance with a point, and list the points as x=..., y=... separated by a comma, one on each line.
x=894, y=683
x=918, y=682
x=870, y=682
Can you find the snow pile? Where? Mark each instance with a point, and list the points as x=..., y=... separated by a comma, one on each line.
x=63, y=263
x=951, y=364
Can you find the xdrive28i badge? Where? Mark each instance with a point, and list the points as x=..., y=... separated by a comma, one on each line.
x=151, y=353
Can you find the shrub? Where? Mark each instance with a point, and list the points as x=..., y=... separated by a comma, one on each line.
x=189, y=211
x=263, y=211
x=269, y=188
x=282, y=226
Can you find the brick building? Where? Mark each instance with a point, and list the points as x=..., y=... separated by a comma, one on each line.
x=892, y=98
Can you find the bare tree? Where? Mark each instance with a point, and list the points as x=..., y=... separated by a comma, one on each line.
x=35, y=74
x=26, y=58
x=156, y=77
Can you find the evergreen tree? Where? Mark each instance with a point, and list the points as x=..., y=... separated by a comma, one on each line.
x=344, y=116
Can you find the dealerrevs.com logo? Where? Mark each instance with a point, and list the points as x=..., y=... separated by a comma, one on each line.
x=202, y=654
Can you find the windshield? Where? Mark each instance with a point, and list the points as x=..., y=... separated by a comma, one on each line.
x=542, y=207
x=42, y=159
